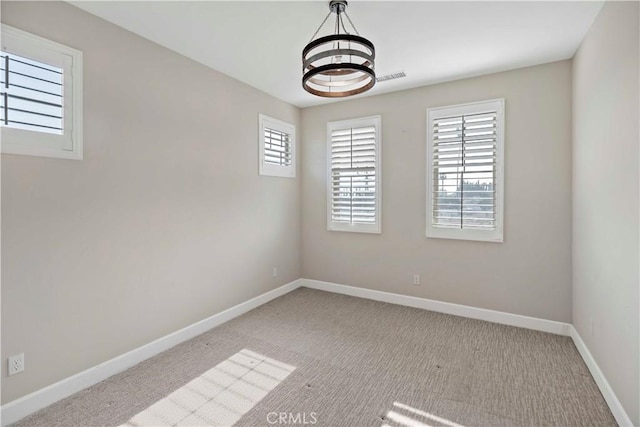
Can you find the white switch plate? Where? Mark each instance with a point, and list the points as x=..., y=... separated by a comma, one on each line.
x=16, y=364
x=275, y=271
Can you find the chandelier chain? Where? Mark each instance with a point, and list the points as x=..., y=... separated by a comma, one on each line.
x=320, y=27
x=342, y=22
x=350, y=22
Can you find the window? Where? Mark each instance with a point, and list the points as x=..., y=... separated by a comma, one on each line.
x=277, y=145
x=353, y=201
x=40, y=96
x=465, y=164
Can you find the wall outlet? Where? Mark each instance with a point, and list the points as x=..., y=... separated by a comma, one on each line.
x=275, y=271
x=416, y=279
x=16, y=364
x=592, y=326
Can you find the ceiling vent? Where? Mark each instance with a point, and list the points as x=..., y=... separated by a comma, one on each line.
x=393, y=76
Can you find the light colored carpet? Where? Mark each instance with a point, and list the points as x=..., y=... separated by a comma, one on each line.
x=317, y=358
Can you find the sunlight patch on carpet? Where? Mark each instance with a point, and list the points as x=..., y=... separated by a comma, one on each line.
x=408, y=416
x=220, y=396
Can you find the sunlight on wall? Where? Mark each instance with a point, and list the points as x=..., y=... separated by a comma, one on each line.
x=220, y=396
x=415, y=418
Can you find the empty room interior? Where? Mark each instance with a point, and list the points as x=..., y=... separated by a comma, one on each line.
x=330, y=213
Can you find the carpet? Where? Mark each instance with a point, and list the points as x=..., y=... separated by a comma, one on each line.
x=324, y=359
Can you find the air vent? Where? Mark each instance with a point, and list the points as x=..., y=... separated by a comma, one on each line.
x=393, y=76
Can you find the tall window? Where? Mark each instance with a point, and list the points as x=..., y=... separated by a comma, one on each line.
x=465, y=163
x=353, y=190
x=276, y=143
x=40, y=96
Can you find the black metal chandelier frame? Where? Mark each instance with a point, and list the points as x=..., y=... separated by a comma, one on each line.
x=326, y=73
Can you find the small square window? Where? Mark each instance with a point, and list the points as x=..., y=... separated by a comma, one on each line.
x=40, y=96
x=277, y=145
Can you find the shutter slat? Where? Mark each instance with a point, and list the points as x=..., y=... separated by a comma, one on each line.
x=469, y=147
x=277, y=152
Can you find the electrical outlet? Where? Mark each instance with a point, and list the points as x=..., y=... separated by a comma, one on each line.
x=16, y=364
x=416, y=279
x=592, y=326
x=275, y=271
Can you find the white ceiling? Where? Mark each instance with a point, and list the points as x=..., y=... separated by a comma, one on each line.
x=260, y=42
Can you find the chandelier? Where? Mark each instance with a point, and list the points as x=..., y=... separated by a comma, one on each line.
x=340, y=64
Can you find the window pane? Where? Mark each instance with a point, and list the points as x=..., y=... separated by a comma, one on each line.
x=353, y=175
x=32, y=95
x=277, y=147
x=464, y=171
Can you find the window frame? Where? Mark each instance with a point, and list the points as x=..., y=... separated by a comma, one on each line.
x=375, y=228
x=266, y=169
x=69, y=145
x=496, y=235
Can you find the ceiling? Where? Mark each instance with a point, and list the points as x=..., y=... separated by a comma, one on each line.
x=260, y=42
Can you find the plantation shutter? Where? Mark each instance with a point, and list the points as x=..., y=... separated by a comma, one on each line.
x=31, y=95
x=277, y=147
x=464, y=171
x=353, y=175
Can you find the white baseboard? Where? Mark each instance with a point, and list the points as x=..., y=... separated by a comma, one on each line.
x=26, y=405
x=20, y=408
x=537, y=324
x=621, y=416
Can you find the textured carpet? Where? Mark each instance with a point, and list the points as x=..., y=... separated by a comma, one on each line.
x=317, y=358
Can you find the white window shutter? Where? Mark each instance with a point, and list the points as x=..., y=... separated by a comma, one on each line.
x=31, y=94
x=354, y=175
x=465, y=182
x=40, y=96
x=277, y=147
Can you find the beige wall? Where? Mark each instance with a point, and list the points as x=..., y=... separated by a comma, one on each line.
x=528, y=274
x=605, y=198
x=164, y=222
